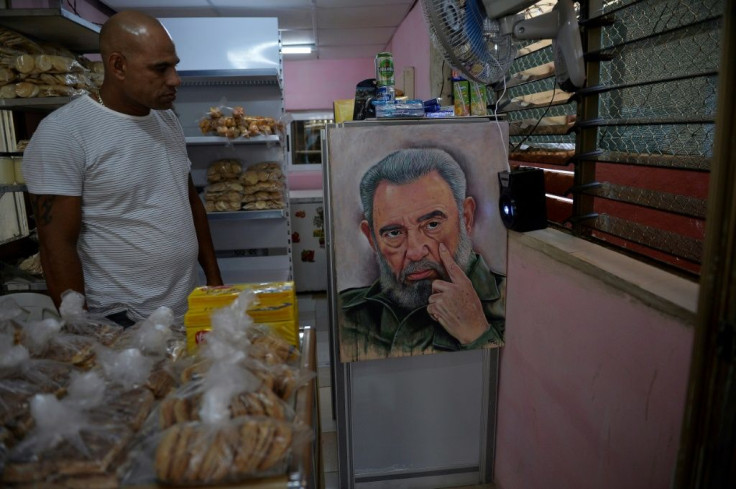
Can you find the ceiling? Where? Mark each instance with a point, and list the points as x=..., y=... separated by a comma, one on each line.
x=337, y=29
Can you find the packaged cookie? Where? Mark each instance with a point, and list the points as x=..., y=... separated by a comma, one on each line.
x=247, y=447
x=65, y=442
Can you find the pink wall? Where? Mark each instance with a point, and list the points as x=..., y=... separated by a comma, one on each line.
x=410, y=47
x=592, y=382
x=315, y=84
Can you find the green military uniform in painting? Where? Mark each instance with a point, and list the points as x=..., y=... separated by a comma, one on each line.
x=373, y=327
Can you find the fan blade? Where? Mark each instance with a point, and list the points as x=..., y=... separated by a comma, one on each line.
x=469, y=41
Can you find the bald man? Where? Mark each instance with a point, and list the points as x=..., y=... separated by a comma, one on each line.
x=117, y=214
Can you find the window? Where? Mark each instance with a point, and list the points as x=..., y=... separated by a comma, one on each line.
x=305, y=140
x=627, y=158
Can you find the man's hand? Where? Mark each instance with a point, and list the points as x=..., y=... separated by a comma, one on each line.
x=455, y=304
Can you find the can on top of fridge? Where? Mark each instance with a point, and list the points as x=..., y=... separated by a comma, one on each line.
x=385, y=69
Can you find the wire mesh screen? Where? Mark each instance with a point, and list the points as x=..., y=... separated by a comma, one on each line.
x=653, y=108
x=638, y=138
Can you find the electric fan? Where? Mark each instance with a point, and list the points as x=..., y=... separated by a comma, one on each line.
x=478, y=37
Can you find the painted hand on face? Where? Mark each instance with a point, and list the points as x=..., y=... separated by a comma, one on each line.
x=455, y=304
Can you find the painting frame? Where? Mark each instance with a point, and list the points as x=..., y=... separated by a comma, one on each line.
x=478, y=147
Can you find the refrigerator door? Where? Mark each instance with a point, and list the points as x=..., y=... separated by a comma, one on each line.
x=308, y=241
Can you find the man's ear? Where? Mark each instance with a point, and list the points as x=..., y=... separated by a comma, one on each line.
x=365, y=228
x=469, y=213
x=117, y=63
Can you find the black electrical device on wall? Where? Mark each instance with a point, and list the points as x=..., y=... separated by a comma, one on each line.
x=522, y=204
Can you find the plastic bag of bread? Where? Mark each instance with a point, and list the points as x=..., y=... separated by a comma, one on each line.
x=156, y=338
x=222, y=206
x=77, y=320
x=232, y=122
x=129, y=368
x=198, y=453
x=253, y=347
x=6, y=75
x=45, y=339
x=65, y=64
x=156, y=335
x=74, y=438
x=16, y=363
x=230, y=387
x=8, y=91
x=106, y=403
x=12, y=39
x=15, y=411
x=224, y=169
x=27, y=90
x=252, y=176
x=10, y=315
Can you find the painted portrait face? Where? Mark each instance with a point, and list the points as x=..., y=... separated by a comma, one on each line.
x=409, y=223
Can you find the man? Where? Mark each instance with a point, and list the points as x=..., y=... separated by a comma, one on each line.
x=434, y=292
x=117, y=214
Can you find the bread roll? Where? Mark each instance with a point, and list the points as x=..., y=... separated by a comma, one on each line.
x=43, y=63
x=26, y=90
x=24, y=63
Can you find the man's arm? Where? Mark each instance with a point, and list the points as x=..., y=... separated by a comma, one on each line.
x=59, y=221
x=206, y=256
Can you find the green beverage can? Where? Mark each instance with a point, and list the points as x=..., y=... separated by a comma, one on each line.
x=385, y=69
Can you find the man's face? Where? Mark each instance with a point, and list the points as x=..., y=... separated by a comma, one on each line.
x=150, y=78
x=409, y=222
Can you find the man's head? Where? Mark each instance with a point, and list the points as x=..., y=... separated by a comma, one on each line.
x=140, y=64
x=413, y=200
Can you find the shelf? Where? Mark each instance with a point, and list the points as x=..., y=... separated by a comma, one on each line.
x=13, y=279
x=247, y=215
x=213, y=78
x=35, y=103
x=12, y=188
x=54, y=25
x=209, y=140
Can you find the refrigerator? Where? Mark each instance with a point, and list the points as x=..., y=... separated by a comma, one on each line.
x=308, y=240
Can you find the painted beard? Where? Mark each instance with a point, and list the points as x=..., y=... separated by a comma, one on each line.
x=413, y=295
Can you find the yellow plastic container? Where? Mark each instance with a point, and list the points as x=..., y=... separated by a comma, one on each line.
x=268, y=294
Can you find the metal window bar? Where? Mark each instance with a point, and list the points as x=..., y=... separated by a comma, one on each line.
x=650, y=100
x=664, y=201
x=677, y=245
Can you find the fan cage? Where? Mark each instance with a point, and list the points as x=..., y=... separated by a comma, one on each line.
x=469, y=40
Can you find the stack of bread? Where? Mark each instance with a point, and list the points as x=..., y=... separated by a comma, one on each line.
x=233, y=123
x=139, y=410
x=229, y=188
x=232, y=417
x=224, y=192
x=75, y=391
x=263, y=186
x=33, y=69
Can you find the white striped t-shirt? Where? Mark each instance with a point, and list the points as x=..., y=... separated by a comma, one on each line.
x=137, y=243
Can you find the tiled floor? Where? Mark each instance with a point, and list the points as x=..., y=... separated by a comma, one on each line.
x=313, y=311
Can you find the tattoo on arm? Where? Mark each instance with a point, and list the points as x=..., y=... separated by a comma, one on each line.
x=42, y=205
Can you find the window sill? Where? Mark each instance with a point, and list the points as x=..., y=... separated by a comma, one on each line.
x=657, y=288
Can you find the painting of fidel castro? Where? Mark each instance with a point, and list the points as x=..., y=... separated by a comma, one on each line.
x=433, y=291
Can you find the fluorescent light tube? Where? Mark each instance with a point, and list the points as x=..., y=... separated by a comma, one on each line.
x=296, y=49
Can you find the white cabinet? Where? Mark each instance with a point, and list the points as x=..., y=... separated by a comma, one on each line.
x=235, y=62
